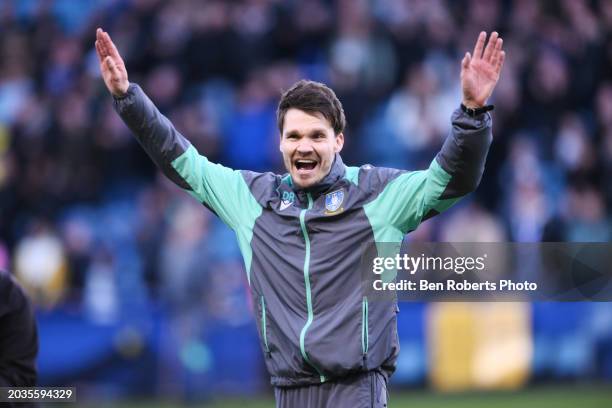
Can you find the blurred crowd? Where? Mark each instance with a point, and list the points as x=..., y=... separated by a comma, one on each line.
x=87, y=220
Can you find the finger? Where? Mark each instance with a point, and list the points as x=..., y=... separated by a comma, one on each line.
x=500, y=61
x=99, y=52
x=113, y=52
x=497, y=52
x=465, y=63
x=110, y=64
x=103, y=46
x=479, y=45
x=100, y=43
x=488, y=52
x=105, y=41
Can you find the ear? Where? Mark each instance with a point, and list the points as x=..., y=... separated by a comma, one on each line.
x=339, y=142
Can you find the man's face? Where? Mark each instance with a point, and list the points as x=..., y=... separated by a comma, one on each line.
x=308, y=145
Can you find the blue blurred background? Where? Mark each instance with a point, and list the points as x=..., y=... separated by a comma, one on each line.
x=141, y=292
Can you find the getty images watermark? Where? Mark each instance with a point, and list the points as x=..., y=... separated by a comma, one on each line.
x=487, y=271
x=458, y=265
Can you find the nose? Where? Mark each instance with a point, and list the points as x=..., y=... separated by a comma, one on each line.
x=304, y=147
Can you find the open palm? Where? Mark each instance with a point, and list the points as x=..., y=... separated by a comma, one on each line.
x=480, y=72
x=111, y=64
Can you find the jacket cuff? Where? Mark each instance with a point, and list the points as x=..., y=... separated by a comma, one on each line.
x=123, y=102
x=465, y=121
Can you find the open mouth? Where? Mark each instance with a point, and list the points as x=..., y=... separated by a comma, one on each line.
x=305, y=165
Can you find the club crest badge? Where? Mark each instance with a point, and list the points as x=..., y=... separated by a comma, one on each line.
x=333, y=202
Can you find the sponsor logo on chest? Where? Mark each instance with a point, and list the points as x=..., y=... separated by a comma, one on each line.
x=287, y=200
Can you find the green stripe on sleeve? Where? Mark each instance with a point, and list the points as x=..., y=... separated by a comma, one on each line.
x=225, y=191
x=404, y=201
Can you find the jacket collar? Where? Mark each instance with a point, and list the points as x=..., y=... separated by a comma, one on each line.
x=336, y=173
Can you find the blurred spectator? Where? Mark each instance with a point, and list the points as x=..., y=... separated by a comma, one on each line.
x=472, y=224
x=587, y=220
x=18, y=337
x=40, y=264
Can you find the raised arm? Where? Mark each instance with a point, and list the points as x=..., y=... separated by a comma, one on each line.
x=219, y=188
x=411, y=197
x=154, y=131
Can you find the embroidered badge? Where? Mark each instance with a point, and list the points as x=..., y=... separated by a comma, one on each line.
x=333, y=202
x=287, y=200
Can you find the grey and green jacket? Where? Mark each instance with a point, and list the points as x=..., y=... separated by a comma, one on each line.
x=301, y=247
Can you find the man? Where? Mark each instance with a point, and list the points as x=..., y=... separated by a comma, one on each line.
x=325, y=345
x=18, y=336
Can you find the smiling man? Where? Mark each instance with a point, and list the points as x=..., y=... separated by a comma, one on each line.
x=325, y=343
x=313, y=133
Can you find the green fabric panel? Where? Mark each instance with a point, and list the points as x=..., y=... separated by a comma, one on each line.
x=385, y=235
x=352, y=175
x=287, y=179
x=444, y=205
x=401, y=205
x=226, y=192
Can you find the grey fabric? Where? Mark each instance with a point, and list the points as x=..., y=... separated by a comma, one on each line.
x=162, y=142
x=362, y=390
x=464, y=153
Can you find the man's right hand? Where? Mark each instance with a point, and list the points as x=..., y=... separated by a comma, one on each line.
x=111, y=64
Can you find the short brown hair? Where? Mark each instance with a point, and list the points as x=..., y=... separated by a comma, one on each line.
x=312, y=97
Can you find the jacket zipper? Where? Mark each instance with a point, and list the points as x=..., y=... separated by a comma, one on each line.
x=364, y=326
x=263, y=324
x=307, y=285
x=373, y=401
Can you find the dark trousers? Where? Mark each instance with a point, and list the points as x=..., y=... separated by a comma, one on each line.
x=364, y=390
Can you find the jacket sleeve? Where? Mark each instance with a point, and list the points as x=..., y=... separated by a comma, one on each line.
x=408, y=198
x=219, y=188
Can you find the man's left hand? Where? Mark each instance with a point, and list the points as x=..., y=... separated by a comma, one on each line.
x=480, y=72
